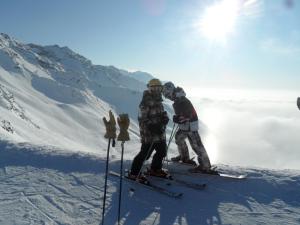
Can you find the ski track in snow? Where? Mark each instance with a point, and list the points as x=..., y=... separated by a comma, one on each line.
x=65, y=190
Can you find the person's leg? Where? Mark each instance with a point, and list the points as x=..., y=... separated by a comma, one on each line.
x=198, y=147
x=160, y=153
x=183, y=150
x=140, y=158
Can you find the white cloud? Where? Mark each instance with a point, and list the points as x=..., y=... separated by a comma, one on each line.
x=252, y=128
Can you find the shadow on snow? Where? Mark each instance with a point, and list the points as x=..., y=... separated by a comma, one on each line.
x=148, y=207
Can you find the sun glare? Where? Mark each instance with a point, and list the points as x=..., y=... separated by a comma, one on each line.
x=219, y=20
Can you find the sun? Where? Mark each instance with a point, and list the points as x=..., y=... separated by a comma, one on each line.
x=219, y=20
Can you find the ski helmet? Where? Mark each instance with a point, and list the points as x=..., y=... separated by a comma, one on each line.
x=155, y=86
x=168, y=90
x=154, y=82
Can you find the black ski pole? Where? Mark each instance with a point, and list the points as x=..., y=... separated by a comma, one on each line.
x=123, y=122
x=110, y=134
x=105, y=183
x=147, y=156
x=121, y=182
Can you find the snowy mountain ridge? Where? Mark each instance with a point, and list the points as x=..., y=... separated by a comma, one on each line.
x=46, y=88
x=61, y=62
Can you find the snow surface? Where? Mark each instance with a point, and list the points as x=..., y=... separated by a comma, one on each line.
x=49, y=186
x=52, y=152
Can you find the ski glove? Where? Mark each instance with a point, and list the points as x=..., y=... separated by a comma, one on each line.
x=156, y=128
x=110, y=126
x=175, y=119
x=123, y=122
x=179, y=119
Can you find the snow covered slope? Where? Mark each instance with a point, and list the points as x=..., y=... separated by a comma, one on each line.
x=47, y=186
x=49, y=95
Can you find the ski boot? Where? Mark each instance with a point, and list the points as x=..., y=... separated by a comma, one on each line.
x=189, y=162
x=201, y=169
x=139, y=178
x=157, y=173
x=184, y=161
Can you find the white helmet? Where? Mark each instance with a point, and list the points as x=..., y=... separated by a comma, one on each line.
x=168, y=90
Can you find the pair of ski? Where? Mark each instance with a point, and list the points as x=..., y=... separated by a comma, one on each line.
x=215, y=172
x=163, y=190
x=169, y=193
x=150, y=186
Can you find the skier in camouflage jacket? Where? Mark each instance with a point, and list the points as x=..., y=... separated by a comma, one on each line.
x=152, y=122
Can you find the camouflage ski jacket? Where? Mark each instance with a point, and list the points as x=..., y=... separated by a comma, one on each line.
x=151, y=111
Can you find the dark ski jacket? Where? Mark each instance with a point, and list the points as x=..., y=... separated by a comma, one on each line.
x=151, y=112
x=185, y=111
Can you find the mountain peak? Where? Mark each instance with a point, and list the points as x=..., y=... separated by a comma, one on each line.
x=6, y=40
x=5, y=36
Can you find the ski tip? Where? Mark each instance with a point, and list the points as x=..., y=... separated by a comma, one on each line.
x=240, y=177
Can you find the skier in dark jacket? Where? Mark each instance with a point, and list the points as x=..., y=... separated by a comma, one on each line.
x=187, y=120
x=152, y=122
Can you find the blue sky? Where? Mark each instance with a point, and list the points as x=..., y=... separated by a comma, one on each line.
x=259, y=48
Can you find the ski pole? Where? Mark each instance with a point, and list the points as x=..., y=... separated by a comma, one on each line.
x=173, y=132
x=110, y=134
x=147, y=156
x=105, y=183
x=170, y=139
x=121, y=183
x=166, y=158
x=123, y=122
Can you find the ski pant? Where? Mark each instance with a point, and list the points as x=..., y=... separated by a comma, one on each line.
x=196, y=144
x=145, y=153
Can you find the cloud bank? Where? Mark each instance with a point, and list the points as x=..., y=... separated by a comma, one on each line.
x=251, y=128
